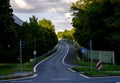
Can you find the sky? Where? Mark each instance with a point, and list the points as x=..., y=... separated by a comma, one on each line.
x=58, y=11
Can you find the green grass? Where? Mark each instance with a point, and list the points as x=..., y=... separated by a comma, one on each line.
x=8, y=68
x=85, y=68
x=94, y=72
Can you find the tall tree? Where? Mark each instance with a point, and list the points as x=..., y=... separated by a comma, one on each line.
x=49, y=33
x=97, y=20
x=30, y=33
x=8, y=35
x=47, y=24
x=7, y=26
x=37, y=37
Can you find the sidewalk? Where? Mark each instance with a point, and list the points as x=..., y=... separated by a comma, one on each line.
x=17, y=75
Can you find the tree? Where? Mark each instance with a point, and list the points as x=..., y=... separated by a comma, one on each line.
x=8, y=34
x=37, y=37
x=30, y=33
x=47, y=24
x=60, y=34
x=97, y=20
x=49, y=33
x=66, y=34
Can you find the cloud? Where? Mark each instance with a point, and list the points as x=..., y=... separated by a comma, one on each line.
x=27, y=6
x=22, y=4
x=58, y=11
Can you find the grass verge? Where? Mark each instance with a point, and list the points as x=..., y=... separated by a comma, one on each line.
x=85, y=68
x=9, y=68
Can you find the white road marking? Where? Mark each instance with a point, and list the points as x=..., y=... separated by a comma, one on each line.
x=84, y=76
x=65, y=55
x=69, y=65
x=35, y=75
x=71, y=70
x=60, y=79
x=35, y=67
x=22, y=81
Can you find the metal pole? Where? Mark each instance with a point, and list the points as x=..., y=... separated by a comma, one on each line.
x=113, y=58
x=34, y=52
x=91, y=54
x=20, y=55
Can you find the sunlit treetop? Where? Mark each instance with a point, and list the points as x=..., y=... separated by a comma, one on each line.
x=46, y=24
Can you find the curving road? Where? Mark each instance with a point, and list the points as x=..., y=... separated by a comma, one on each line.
x=56, y=69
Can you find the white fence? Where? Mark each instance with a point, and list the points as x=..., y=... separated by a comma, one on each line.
x=103, y=56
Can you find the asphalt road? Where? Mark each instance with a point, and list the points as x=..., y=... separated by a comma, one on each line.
x=56, y=69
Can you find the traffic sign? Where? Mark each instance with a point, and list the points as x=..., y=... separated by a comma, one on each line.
x=34, y=52
x=83, y=50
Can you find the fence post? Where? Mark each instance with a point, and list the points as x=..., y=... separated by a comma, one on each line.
x=113, y=58
x=100, y=56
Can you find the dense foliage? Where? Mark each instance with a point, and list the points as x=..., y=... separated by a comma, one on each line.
x=98, y=20
x=66, y=34
x=36, y=36
x=8, y=34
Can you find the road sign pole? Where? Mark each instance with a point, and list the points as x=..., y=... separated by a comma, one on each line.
x=20, y=55
x=91, y=54
x=34, y=52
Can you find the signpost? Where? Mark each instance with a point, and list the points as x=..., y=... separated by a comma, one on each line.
x=20, y=55
x=34, y=53
x=91, y=54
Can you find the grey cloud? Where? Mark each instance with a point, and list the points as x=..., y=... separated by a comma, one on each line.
x=54, y=10
x=53, y=0
x=43, y=6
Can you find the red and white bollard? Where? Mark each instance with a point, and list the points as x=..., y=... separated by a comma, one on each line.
x=99, y=65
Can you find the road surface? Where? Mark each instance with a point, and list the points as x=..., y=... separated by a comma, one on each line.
x=56, y=69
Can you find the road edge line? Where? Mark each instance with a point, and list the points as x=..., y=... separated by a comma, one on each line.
x=35, y=67
x=63, y=60
x=84, y=76
x=79, y=73
x=69, y=65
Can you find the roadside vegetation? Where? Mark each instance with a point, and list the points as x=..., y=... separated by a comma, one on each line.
x=9, y=68
x=85, y=67
x=35, y=35
x=97, y=20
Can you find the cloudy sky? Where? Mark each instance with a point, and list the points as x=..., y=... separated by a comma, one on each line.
x=58, y=11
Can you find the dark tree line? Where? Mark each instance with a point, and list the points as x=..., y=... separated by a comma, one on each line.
x=8, y=32
x=33, y=34
x=98, y=20
x=39, y=36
